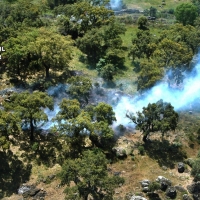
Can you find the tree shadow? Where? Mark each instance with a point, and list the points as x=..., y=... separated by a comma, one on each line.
x=154, y=196
x=165, y=153
x=43, y=149
x=109, y=84
x=136, y=65
x=13, y=173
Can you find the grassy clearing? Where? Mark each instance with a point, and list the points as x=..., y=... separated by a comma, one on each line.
x=127, y=79
x=81, y=65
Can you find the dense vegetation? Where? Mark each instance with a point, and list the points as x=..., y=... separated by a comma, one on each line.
x=43, y=41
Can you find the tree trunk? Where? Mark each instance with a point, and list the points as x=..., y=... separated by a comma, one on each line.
x=145, y=137
x=86, y=197
x=47, y=72
x=32, y=130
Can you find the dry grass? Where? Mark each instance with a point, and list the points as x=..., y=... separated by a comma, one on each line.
x=145, y=167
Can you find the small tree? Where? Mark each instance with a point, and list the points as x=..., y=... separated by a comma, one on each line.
x=89, y=174
x=9, y=125
x=104, y=112
x=153, y=186
x=103, y=136
x=186, y=13
x=153, y=12
x=68, y=109
x=142, y=23
x=196, y=169
x=76, y=124
x=80, y=88
x=158, y=116
x=30, y=108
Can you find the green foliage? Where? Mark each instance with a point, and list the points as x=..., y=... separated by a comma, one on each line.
x=35, y=146
x=196, y=169
x=110, y=64
x=103, y=136
x=197, y=4
x=187, y=35
x=186, y=13
x=4, y=143
x=158, y=116
x=29, y=107
x=143, y=45
x=17, y=55
x=174, y=55
x=103, y=42
x=171, y=11
x=89, y=173
x=12, y=15
x=153, y=12
x=142, y=23
x=153, y=186
x=81, y=17
x=104, y=112
x=37, y=50
x=80, y=88
x=9, y=125
x=52, y=50
x=93, y=122
x=150, y=73
x=141, y=150
x=68, y=109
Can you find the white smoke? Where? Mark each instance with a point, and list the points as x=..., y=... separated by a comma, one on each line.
x=180, y=98
x=116, y=4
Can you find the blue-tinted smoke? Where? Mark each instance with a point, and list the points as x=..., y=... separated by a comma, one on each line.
x=180, y=98
x=116, y=4
x=58, y=93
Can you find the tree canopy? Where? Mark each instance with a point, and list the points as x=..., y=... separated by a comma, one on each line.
x=10, y=124
x=186, y=13
x=93, y=122
x=30, y=108
x=159, y=116
x=89, y=173
x=80, y=88
x=37, y=50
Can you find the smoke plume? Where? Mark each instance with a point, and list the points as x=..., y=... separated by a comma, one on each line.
x=184, y=98
x=116, y=4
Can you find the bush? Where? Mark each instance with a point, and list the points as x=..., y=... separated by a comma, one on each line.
x=198, y=155
x=189, y=162
x=171, y=11
x=35, y=146
x=154, y=186
x=196, y=169
x=141, y=150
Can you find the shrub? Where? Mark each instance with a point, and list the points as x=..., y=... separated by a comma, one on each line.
x=141, y=150
x=198, y=155
x=196, y=169
x=154, y=186
x=35, y=146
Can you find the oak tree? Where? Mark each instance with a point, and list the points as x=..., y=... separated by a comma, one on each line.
x=30, y=108
x=90, y=176
x=186, y=13
x=159, y=116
